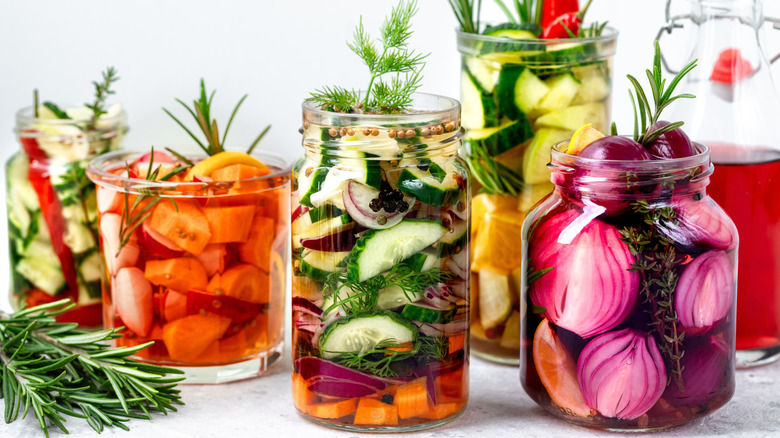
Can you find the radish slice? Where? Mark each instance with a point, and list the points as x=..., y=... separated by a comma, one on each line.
x=213, y=258
x=174, y=305
x=110, y=224
x=358, y=196
x=132, y=295
x=156, y=244
x=108, y=199
x=165, y=162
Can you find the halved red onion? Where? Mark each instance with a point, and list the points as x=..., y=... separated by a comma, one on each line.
x=330, y=387
x=311, y=367
x=708, y=372
x=301, y=304
x=621, y=374
x=701, y=222
x=706, y=290
x=453, y=328
x=590, y=289
x=356, y=199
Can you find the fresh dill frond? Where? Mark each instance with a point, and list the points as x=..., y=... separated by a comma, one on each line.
x=396, y=71
x=378, y=360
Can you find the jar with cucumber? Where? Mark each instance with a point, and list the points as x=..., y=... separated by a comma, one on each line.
x=525, y=85
x=380, y=238
x=52, y=214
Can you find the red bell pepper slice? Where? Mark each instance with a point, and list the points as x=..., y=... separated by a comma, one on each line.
x=240, y=311
x=553, y=9
x=731, y=67
x=565, y=24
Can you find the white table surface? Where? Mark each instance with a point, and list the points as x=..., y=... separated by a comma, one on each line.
x=497, y=408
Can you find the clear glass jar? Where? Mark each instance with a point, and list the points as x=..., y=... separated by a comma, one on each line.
x=630, y=294
x=52, y=218
x=520, y=97
x=735, y=114
x=198, y=267
x=380, y=236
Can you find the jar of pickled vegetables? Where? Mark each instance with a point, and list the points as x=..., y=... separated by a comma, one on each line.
x=520, y=95
x=196, y=252
x=380, y=237
x=52, y=217
x=629, y=303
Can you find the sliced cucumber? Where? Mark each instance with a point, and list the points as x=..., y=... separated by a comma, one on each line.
x=516, y=36
x=49, y=110
x=428, y=186
x=478, y=110
x=514, y=30
x=502, y=138
x=91, y=267
x=495, y=298
x=379, y=250
x=361, y=333
x=319, y=264
x=484, y=73
x=310, y=177
x=42, y=274
x=537, y=154
x=574, y=117
x=595, y=84
x=361, y=165
x=507, y=79
x=454, y=240
x=19, y=183
x=563, y=88
x=394, y=297
x=529, y=91
x=427, y=314
x=304, y=228
x=326, y=211
x=423, y=260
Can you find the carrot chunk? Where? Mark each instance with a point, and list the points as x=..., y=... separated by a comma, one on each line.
x=333, y=409
x=373, y=412
x=302, y=397
x=241, y=281
x=180, y=274
x=237, y=172
x=442, y=410
x=256, y=250
x=229, y=224
x=188, y=337
x=183, y=223
x=457, y=343
x=411, y=399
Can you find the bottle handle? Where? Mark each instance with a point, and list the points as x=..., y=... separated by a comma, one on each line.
x=775, y=25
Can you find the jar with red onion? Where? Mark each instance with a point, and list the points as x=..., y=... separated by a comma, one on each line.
x=629, y=280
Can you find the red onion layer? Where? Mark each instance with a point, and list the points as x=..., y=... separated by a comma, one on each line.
x=705, y=291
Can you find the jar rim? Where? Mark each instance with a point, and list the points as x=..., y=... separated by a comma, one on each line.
x=639, y=166
x=609, y=34
x=423, y=103
x=25, y=115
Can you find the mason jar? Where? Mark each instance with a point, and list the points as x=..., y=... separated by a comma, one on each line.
x=520, y=97
x=380, y=238
x=629, y=296
x=52, y=217
x=196, y=262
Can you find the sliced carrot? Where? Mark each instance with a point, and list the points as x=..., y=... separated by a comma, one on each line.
x=302, y=397
x=442, y=410
x=188, y=337
x=256, y=250
x=225, y=349
x=180, y=274
x=373, y=412
x=237, y=172
x=411, y=399
x=229, y=224
x=183, y=223
x=242, y=281
x=457, y=343
x=406, y=346
x=452, y=386
x=334, y=409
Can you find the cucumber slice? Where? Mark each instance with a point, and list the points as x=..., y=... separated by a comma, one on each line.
x=514, y=30
x=430, y=186
x=363, y=166
x=423, y=260
x=18, y=182
x=453, y=241
x=507, y=79
x=361, y=333
x=574, y=117
x=537, y=154
x=502, y=138
x=563, y=88
x=42, y=274
x=515, y=37
x=49, y=110
x=529, y=91
x=427, y=314
x=484, y=73
x=319, y=264
x=595, y=84
x=379, y=250
x=495, y=299
x=478, y=110
x=91, y=267
x=393, y=297
x=310, y=177
x=304, y=228
x=322, y=212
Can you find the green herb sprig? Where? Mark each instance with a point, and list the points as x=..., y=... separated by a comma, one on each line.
x=467, y=12
x=395, y=59
x=379, y=360
x=494, y=177
x=662, y=98
x=55, y=370
x=201, y=112
x=102, y=91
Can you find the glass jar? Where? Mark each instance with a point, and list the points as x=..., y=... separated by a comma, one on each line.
x=520, y=97
x=52, y=218
x=630, y=294
x=199, y=267
x=734, y=114
x=380, y=237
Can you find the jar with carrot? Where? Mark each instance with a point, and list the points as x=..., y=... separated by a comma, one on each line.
x=196, y=254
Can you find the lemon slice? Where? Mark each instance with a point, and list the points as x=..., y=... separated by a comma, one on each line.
x=582, y=138
x=224, y=159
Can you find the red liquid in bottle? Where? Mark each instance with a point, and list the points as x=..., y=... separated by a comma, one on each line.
x=745, y=184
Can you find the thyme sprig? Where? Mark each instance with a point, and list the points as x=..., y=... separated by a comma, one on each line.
x=57, y=370
x=657, y=262
x=102, y=91
x=201, y=112
x=395, y=59
x=662, y=98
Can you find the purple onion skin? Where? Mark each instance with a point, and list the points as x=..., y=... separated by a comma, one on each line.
x=705, y=291
x=615, y=147
x=621, y=374
x=671, y=145
x=702, y=224
x=708, y=373
x=590, y=289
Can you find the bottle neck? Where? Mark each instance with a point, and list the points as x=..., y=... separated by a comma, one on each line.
x=748, y=12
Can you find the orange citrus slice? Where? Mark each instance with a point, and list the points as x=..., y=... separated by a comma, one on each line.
x=557, y=370
x=582, y=138
x=224, y=159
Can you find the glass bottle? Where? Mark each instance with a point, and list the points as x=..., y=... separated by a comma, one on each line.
x=616, y=246
x=380, y=238
x=735, y=114
x=520, y=97
x=52, y=213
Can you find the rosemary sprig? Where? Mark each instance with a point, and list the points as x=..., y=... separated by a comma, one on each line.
x=662, y=98
x=467, y=13
x=201, y=112
x=395, y=59
x=657, y=261
x=494, y=177
x=102, y=91
x=57, y=370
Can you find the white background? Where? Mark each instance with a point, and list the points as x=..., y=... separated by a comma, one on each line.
x=275, y=50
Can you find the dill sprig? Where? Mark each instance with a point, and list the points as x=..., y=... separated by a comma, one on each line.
x=57, y=370
x=662, y=98
x=378, y=360
x=657, y=261
x=102, y=91
x=363, y=296
x=201, y=112
x=395, y=59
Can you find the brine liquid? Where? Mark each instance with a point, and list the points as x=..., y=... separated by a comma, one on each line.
x=745, y=184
